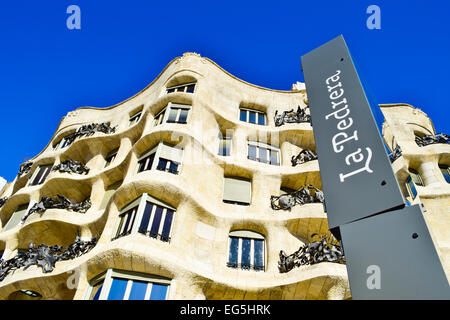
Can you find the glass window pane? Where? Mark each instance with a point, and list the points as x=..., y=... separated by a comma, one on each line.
x=274, y=157
x=142, y=165
x=138, y=290
x=412, y=187
x=150, y=161
x=170, y=90
x=263, y=155
x=180, y=89
x=38, y=176
x=96, y=290
x=117, y=290
x=156, y=221
x=173, y=167
x=162, y=164
x=446, y=173
x=183, y=116
x=161, y=116
x=252, y=152
x=167, y=225
x=252, y=117
x=243, y=115
x=146, y=218
x=190, y=88
x=415, y=177
x=261, y=119
x=259, y=253
x=245, y=258
x=233, y=256
x=127, y=218
x=173, y=115
x=225, y=147
x=159, y=292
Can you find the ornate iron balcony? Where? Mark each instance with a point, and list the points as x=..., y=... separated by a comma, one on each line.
x=88, y=130
x=71, y=166
x=61, y=202
x=432, y=139
x=306, y=194
x=45, y=256
x=326, y=248
x=24, y=168
x=292, y=117
x=304, y=156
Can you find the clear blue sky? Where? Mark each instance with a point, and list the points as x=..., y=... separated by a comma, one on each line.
x=47, y=70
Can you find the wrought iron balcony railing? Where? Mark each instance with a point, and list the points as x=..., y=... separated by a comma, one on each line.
x=45, y=256
x=432, y=139
x=292, y=117
x=325, y=249
x=306, y=194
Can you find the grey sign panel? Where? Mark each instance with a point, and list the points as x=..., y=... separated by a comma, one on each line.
x=392, y=256
x=356, y=173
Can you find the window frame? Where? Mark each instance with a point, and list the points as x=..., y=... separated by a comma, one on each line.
x=247, y=234
x=112, y=154
x=43, y=177
x=185, y=85
x=61, y=144
x=442, y=168
x=416, y=175
x=22, y=209
x=247, y=116
x=157, y=150
x=107, y=277
x=140, y=204
x=268, y=148
x=236, y=202
x=225, y=138
x=132, y=121
x=157, y=120
x=409, y=181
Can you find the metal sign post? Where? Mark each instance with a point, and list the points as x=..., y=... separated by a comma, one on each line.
x=365, y=206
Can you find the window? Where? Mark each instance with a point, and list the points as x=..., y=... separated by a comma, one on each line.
x=445, y=172
x=135, y=118
x=40, y=174
x=246, y=250
x=16, y=217
x=167, y=165
x=253, y=116
x=189, y=87
x=173, y=113
x=110, y=157
x=237, y=190
x=126, y=285
x=148, y=216
x=414, y=179
x=61, y=144
x=168, y=159
x=261, y=152
x=25, y=295
x=225, y=146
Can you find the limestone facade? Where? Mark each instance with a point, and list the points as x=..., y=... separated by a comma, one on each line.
x=157, y=186
x=429, y=164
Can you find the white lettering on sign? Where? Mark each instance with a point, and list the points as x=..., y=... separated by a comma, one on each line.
x=340, y=113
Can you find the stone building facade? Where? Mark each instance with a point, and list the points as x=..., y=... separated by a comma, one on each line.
x=200, y=186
